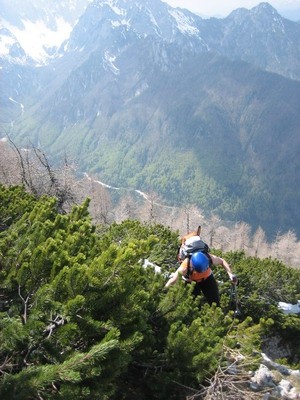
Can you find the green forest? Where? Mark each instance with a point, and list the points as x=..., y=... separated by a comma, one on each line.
x=81, y=317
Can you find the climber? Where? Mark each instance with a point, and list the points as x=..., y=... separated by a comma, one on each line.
x=197, y=268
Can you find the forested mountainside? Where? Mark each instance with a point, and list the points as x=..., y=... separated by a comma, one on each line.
x=83, y=316
x=145, y=96
x=32, y=169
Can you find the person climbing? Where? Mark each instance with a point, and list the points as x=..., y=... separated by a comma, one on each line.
x=196, y=267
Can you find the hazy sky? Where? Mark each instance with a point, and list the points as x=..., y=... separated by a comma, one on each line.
x=222, y=8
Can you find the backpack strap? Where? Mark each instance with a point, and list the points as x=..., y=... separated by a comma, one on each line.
x=209, y=257
x=189, y=270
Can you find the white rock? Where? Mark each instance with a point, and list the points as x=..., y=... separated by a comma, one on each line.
x=263, y=377
x=288, y=308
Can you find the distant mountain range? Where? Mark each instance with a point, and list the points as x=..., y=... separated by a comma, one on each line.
x=201, y=111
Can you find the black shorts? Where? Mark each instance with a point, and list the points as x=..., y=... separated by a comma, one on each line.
x=209, y=288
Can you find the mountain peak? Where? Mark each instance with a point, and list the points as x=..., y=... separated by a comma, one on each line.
x=136, y=19
x=261, y=10
x=265, y=7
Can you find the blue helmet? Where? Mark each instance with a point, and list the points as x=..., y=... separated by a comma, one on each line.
x=200, y=261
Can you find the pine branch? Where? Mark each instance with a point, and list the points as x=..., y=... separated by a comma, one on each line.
x=38, y=381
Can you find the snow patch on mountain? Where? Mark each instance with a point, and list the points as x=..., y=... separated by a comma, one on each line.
x=116, y=10
x=184, y=23
x=152, y=19
x=109, y=60
x=141, y=89
x=10, y=48
x=16, y=102
x=38, y=40
x=112, y=4
x=122, y=22
x=6, y=41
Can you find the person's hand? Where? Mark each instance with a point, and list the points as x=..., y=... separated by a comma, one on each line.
x=233, y=279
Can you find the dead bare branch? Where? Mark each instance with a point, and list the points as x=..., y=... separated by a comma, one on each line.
x=230, y=382
x=58, y=321
x=25, y=303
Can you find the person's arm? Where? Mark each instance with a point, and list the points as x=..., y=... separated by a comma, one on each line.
x=174, y=278
x=220, y=261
